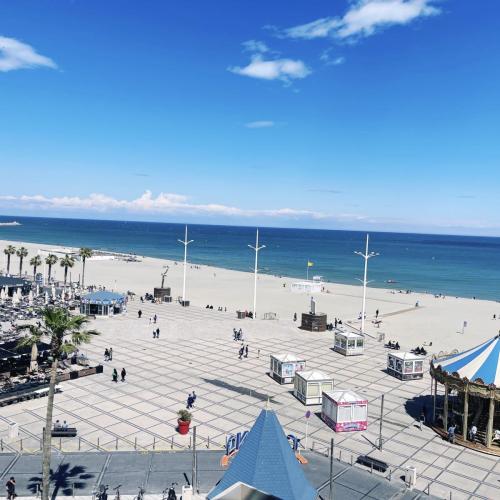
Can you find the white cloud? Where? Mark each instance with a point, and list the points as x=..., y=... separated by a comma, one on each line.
x=18, y=55
x=364, y=18
x=327, y=58
x=275, y=69
x=255, y=46
x=260, y=124
x=164, y=203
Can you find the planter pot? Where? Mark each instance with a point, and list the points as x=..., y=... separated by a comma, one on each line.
x=183, y=427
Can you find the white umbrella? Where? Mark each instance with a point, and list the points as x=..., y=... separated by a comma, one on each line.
x=53, y=291
x=37, y=290
x=46, y=297
x=15, y=299
x=30, y=298
x=34, y=357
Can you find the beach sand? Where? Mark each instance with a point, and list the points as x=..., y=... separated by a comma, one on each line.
x=436, y=320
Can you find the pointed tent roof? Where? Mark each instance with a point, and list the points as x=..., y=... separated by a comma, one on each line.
x=313, y=375
x=481, y=362
x=267, y=463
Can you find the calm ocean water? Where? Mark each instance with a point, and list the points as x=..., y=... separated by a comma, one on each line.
x=465, y=266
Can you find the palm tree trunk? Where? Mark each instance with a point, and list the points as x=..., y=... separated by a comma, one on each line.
x=47, y=435
x=20, y=267
x=83, y=274
x=65, y=275
x=8, y=263
x=50, y=271
x=34, y=272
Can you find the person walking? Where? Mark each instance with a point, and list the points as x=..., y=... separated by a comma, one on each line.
x=157, y=333
x=376, y=314
x=155, y=318
x=189, y=403
x=246, y=351
x=106, y=354
x=154, y=334
x=240, y=352
x=111, y=354
x=124, y=374
x=115, y=375
x=11, y=488
x=139, y=313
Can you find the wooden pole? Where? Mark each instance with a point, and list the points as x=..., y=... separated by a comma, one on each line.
x=445, y=409
x=466, y=412
x=491, y=414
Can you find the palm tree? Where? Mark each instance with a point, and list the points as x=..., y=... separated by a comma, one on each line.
x=35, y=262
x=10, y=250
x=50, y=260
x=65, y=333
x=66, y=262
x=85, y=253
x=21, y=253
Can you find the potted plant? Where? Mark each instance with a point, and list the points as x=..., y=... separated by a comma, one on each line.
x=183, y=421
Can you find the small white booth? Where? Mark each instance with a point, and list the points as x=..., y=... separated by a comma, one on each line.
x=349, y=343
x=344, y=411
x=405, y=365
x=309, y=286
x=284, y=366
x=309, y=386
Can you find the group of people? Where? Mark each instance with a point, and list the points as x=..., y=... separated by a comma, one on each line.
x=191, y=400
x=237, y=334
x=58, y=426
x=115, y=375
x=156, y=333
x=108, y=354
x=334, y=325
x=393, y=345
x=220, y=308
x=420, y=350
x=243, y=352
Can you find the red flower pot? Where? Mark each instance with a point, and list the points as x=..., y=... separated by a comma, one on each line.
x=183, y=426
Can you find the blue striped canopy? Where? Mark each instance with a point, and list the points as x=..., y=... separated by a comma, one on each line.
x=481, y=362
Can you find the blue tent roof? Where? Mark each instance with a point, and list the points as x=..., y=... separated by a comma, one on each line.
x=103, y=297
x=481, y=362
x=267, y=463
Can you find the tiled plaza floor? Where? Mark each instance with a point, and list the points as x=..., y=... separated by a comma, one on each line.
x=196, y=351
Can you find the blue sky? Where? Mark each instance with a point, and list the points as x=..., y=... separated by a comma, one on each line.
x=369, y=114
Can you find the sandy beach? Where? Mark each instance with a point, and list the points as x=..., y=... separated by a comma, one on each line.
x=436, y=320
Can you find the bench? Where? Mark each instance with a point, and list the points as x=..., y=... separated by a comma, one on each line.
x=69, y=432
x=372, y=462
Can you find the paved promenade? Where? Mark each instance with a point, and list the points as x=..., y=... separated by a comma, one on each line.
x=195, y=351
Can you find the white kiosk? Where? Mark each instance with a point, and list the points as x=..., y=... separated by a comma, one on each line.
x=405, y=365
x=309, y=386
x=284, y=366
x=349, y=343
x=315, y=285
x=344, y=410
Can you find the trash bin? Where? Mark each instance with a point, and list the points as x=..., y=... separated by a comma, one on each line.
x=13, y=430
x=240, y=314
x=187, y=493
x=411, y=476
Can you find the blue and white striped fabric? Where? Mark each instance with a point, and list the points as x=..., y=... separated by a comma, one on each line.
x=481, y=362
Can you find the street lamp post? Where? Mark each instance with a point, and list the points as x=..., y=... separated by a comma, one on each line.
x=256, y=248
x=367, y=255
x=185, y=242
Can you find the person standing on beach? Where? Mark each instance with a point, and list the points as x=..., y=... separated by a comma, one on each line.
x=124, y=374
x=139, y=313
x=154, y=319
x=106, y=354
x=376, y=314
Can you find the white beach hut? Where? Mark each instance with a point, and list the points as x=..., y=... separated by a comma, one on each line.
x=309, y=386
x=405, y=365
x=349, y=343
x=284, y=366
x=344, y=410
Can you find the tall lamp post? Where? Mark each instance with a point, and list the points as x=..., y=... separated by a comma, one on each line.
x=367, y=255
x=256, y=248
x=185, y=242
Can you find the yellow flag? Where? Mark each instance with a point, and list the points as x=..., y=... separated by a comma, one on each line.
x=310, y=264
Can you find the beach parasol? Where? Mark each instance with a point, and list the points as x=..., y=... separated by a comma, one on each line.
x=46, y=297
x=34, y=357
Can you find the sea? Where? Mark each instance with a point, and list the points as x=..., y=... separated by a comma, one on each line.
x=464, y=266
